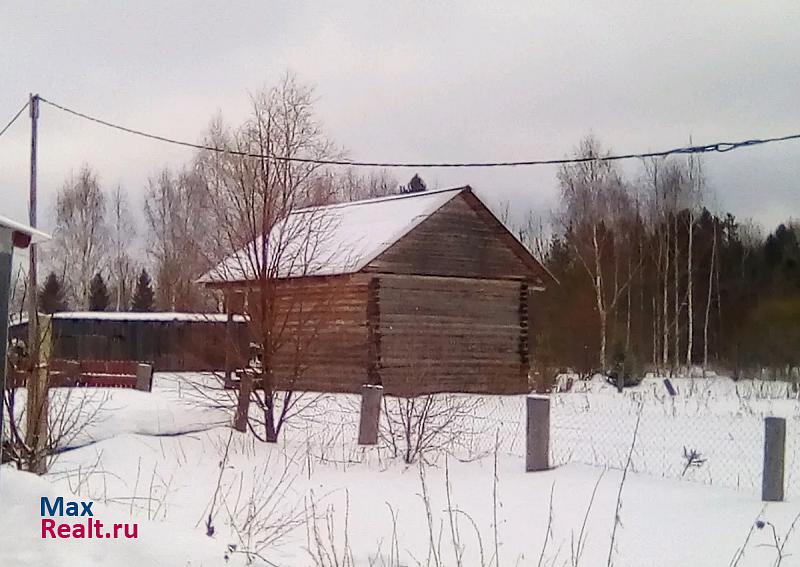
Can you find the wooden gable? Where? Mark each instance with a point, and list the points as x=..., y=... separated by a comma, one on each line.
x=461, y=239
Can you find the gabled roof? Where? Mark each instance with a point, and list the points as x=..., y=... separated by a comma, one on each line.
x=339, y=239
x=345, y=237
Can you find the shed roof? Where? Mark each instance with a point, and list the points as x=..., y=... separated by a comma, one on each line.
x=36, y=236
x=153, y=316
x=334, y=239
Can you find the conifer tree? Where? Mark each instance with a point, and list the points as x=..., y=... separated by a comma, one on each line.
x=51, y=296
x=143, y=296
x=99, y=297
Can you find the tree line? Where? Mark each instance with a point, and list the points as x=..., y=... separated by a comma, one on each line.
x=651, y=278
x=92, y=260
x=52, y=297
x=649, y=274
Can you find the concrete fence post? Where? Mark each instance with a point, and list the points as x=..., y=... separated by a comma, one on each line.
x=774, y=451
x=72, y=373
x=144, y=377
x=371, y=397
x=537, y=439
x=243, y=405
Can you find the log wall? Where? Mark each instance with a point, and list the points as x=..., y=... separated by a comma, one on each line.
x=452, y=335
x=321, y=334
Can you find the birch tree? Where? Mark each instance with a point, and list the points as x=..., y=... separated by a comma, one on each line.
x=709, y=295
x=594, y=198
x=121, y=264
x=351, y=185
x=80, y=238
x=670, y=196
x=696, y=190
x=177, y=214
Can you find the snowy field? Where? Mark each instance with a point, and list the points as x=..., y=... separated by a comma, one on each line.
x=167, y=461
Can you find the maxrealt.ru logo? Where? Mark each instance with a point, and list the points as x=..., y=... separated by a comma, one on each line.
x=87, y=526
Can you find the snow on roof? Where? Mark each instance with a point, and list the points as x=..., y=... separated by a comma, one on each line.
x=333, y=239
x=36, y=235
x=163, y=316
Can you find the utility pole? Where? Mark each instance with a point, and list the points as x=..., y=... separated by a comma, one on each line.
x=33, y=106
x=37, y=402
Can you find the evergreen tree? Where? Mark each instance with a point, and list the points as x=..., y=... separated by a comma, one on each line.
x=416, y=185
x=143, y=296
x=51, y=296
x=99, y=297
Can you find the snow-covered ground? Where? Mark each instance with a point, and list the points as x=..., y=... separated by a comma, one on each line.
x=167, y=459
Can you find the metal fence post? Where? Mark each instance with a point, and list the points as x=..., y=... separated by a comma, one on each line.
x=774, y=450
x=537, y=439
x=370, y=414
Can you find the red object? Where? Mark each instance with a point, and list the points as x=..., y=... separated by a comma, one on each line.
x=92, y=374
x=20, y=239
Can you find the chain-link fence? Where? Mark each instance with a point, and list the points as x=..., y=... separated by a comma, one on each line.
x=724, y=450
x=712, y=432
x=792, y=469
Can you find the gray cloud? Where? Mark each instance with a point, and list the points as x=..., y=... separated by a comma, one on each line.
x=415, y=81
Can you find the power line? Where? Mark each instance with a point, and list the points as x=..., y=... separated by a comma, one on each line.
x=720, y=147
x=17, y=115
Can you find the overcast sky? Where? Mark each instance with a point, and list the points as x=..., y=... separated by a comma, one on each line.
x=403, y=81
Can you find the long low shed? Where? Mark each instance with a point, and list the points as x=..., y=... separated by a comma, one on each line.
x=420, y=293
x=169, y=341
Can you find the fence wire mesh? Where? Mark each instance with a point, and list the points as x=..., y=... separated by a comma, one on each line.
x=792, y=470
x=714, y=449
x=712, y=432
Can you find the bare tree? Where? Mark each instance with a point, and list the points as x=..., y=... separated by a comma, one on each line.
x=426, y=427
x=695, y=190
x=676, y=191
x=65, y=414
x=177, y=212
x=709, y=296
x=534, y=233
x=595, y=199
x=667, y=186
x=122, y=267
x=265, y=234
x=71, y=412
x=350, y=185
x=80, y=238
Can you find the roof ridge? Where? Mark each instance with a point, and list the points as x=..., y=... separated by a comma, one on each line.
x=395, y=197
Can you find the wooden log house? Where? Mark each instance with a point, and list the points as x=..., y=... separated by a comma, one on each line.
x=422, y=293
